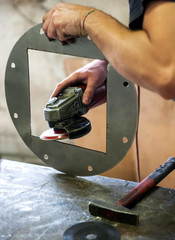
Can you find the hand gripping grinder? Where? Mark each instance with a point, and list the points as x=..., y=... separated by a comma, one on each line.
x=64, y=113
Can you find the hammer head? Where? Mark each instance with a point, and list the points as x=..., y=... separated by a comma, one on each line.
x=114, y=212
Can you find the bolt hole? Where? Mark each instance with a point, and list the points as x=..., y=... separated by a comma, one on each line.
x=46, y=157
x=41, y=31
x=15, y=115
x=126, y=84
x=90, y=168
x=13, y=65
x=91, y=236
x=88, y=37
x=125, y=140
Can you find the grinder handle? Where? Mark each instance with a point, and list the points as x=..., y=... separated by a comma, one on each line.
x=148, y=183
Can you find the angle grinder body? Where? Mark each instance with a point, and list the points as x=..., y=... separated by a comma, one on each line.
x=64, y=115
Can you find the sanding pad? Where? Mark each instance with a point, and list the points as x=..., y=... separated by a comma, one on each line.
x=91, y=231
x=51, y=134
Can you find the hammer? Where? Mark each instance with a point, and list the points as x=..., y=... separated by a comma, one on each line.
x=120, y=211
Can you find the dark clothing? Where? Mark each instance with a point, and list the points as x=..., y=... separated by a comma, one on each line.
x=136, y=11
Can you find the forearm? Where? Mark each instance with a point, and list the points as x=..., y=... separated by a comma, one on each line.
x=132, y=53
x=145, y=57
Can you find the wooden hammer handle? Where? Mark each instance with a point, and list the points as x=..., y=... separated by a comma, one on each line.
x=148, y=183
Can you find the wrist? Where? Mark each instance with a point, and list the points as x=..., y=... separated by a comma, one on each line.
x=85, y=15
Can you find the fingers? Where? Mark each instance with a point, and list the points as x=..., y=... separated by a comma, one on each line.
x=53, y=30
x=63, y=22
x=57, y=90
x=74, y=79
x=46, y=16
x=88, y=93
x=46, y=20
x=49, y=26
x=69, y=81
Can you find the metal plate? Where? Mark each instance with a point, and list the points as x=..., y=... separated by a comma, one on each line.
x=122, y=111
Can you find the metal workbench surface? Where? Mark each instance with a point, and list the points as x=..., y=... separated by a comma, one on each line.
x=39, y=203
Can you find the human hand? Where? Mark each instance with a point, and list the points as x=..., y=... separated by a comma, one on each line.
x=65, y=22
x=92, y=75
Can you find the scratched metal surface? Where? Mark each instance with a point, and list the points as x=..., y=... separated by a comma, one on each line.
x=39, y=202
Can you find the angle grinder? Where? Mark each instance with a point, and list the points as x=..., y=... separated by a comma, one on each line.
x=64, y=113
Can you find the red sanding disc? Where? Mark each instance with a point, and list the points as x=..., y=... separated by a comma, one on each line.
x=51, y=134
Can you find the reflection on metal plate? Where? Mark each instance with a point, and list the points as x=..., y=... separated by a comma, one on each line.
x=122, y=111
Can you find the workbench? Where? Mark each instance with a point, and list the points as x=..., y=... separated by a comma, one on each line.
x=39, y=203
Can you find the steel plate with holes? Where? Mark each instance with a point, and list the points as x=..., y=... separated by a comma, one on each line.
x=122, y=112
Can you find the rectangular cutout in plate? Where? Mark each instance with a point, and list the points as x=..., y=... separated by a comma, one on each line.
x=46, y=70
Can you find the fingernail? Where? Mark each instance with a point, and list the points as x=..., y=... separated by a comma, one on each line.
x=63, y=43
x=72, y=40
x=50, y=39
x=86, y=101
